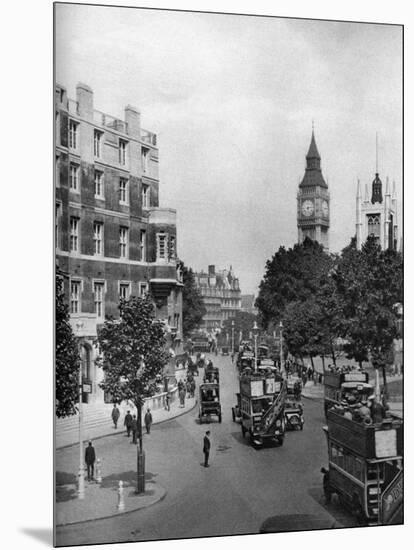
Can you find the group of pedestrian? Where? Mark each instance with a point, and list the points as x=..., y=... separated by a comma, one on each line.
x=131, y=423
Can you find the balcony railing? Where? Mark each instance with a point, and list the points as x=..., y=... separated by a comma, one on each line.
x=73, y=106
x=148, y=137
x=110, y=122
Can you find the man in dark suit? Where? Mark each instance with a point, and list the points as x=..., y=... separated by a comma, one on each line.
x=90, y=460
x=134, y=428
x=128, y=423
x=206, y=448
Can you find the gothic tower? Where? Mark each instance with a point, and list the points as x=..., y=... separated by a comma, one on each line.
x=376, y=215
x=313, y=200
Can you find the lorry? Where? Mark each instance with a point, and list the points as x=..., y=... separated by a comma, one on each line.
x=340, y=384
x=261, y=406
x=365, y=467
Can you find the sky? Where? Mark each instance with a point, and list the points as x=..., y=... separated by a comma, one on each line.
x=232, y=99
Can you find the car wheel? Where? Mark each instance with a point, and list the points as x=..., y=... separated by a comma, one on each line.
x=219, y=418
x=243, y=429
x=233, y=415
x=281, y=440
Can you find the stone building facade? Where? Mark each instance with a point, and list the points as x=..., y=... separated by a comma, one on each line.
x=112, y=239
x=221, y=294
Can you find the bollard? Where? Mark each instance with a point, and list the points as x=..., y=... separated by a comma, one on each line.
x=98, y=471
x=121, y=501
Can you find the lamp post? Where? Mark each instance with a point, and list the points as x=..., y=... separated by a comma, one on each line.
x=81, y=474
x=282, y=368
x=140, y=450
x=232, y=338
x=255, y=331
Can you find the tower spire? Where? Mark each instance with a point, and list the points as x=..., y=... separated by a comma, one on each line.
x=376, y=152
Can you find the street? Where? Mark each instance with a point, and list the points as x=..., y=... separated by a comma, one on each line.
x=242, y=487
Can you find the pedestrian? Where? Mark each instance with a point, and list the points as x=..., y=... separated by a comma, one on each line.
x=148, y=420
x=90, y=460
x=128, y=423
x=206, y=448
x=115, y=416
x=167, y=402
x=192, y=388
x=134, y=428
x=181, y=395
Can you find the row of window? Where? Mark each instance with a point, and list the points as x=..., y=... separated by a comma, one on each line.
x=124, y=290
x=123, y=189
x=166, y=244
x=98, y=136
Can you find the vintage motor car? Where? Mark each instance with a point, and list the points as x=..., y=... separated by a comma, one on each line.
x=209, y=404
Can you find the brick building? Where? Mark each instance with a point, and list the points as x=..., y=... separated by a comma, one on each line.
x=112, y=239
x=221, y=294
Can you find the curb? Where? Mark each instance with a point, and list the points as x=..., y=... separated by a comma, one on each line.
x=120, y=432
x=154, y=500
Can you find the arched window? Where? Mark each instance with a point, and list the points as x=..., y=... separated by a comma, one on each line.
x=374, y=225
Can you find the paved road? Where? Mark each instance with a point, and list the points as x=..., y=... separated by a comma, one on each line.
x=235, y=495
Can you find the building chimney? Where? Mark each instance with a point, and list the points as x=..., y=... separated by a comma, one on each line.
x=84, y=97
x=133, y=120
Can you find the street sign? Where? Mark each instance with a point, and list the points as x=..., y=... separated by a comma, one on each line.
x=86, y=388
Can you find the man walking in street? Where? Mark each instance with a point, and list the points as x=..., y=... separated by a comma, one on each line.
x=148, y=420
x=90, y=460
x=134, y=428
x=128, y=423
x=115, y=416
x=206, y=448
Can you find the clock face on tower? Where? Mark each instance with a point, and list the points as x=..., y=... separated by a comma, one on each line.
x=307, y=208
x=325, y=209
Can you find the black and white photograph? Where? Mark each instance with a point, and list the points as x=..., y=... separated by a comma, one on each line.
x=228, y=274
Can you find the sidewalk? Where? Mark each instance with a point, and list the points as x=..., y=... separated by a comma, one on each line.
x=106, y=428
x=119, y=463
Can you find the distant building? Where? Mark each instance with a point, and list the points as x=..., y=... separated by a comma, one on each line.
x=313, y=208
x=377, y=215
x=112, y=239
x=247, y=303
x=221, y=294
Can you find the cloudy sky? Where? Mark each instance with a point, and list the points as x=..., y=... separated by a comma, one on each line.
x=232, y=99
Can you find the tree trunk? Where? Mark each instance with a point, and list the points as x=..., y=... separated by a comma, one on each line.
x=139, y=422
x=313, y=365
x=323, y=362
x=333, y=355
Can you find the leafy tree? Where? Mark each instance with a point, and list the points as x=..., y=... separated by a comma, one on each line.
x=291, y=275
x=369, y=283
x=133, y=352
x=193, y=304
x=67, y=360
x=302, y=333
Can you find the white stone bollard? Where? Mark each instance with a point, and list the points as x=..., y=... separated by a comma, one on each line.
x=98, y=471
x=121, y=500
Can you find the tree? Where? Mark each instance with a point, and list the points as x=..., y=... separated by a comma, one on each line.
x=132, y=352
x=301, y=332
x=369, y=283
x=193, y=304
x=291, y=275
x=66, y=357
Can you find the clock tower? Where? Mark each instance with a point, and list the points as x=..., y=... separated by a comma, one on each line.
x=313, y=200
